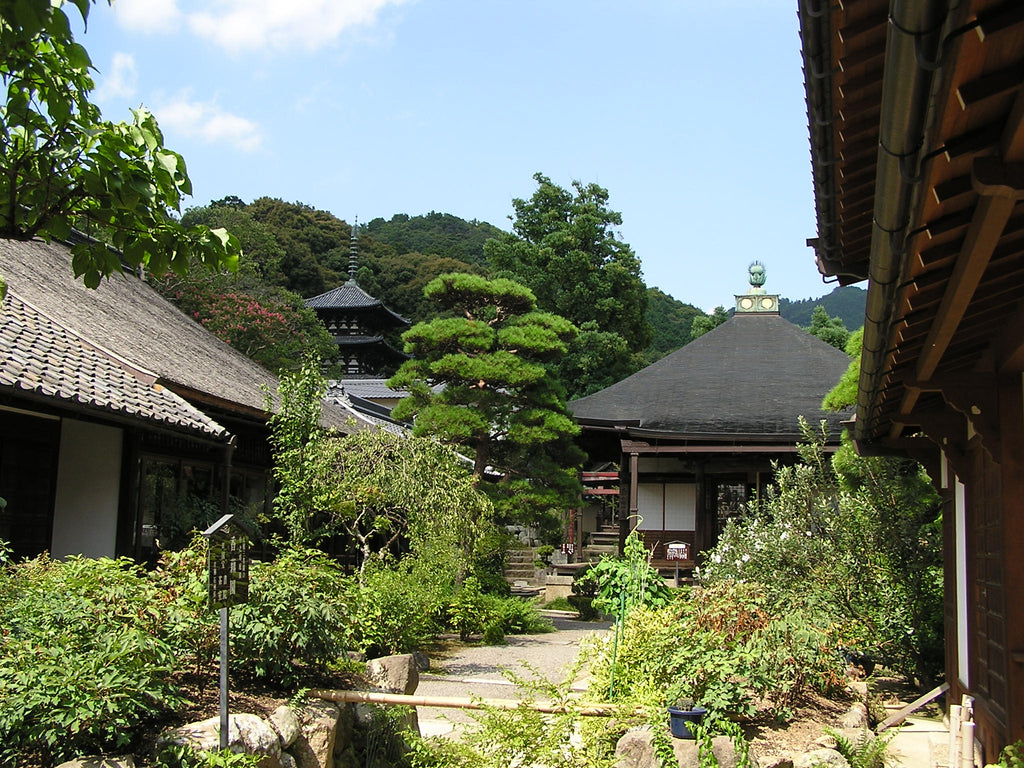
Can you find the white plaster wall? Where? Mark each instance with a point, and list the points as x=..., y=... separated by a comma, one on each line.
x=88, y=488
x=667, y=506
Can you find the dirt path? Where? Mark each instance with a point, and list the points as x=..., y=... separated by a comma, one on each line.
x=476, y=670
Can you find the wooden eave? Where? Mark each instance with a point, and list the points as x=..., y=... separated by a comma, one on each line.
x=957, y=301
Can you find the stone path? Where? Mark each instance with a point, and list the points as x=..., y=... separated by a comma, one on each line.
x=476, y=670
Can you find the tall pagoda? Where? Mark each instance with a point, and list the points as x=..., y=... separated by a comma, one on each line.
x=358, y=322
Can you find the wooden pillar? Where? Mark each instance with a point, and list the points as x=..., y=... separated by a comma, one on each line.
x=1011, y=420
x=627, y=514
x=701, y=539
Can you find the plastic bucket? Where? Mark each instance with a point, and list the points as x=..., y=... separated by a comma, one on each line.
x=679, y=721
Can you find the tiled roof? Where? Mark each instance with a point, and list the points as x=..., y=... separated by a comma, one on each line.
x=126, y=316
x=39, y=355
x=752, y=376
x=351, y=297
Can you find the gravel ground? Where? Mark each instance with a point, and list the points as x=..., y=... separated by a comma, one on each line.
x=476, y=670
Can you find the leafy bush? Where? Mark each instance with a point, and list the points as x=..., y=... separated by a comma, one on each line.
x=82, y=666
x=182, y=756
x=401, y=608
x=294, y=623
x=856, y=540
x=189, y=625
x=618, y=584
x=721, y=647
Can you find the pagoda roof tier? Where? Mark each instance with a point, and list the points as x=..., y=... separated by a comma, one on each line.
x=349, y=297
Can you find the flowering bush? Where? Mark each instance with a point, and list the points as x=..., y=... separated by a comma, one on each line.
x=857, y=542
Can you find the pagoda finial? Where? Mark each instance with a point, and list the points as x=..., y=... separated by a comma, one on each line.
x=757, y=274
x=353, y=251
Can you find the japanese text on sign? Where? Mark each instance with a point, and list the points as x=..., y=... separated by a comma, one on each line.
x=229, y=570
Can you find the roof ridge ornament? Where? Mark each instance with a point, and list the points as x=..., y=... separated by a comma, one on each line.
x=756, y=300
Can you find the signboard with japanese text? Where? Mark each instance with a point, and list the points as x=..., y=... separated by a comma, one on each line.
x=677, y=550
x=228, y=561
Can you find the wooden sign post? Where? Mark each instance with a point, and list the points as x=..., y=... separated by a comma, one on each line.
x=227, y=556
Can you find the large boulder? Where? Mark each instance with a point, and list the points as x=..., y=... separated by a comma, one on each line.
x=287, y=725
x=314, y=748
x=636, y=750
x=394, y=674
x=106, y=761
x=246, y=733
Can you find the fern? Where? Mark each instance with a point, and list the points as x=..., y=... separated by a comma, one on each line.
x=867, y=752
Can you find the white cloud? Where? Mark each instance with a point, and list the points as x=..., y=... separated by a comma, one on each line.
x=206, y=121
x=121, y=81
x=147, y=15
x=239, y=25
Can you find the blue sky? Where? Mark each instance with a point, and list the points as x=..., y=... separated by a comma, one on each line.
x=690, y=113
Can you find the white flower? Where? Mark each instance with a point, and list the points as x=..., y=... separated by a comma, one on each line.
x=745, y=558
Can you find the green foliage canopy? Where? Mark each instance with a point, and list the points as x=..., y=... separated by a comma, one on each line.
x=63, y=167
x=829, y=329
x=479, y=378
x=564, y=249
x=703, y=323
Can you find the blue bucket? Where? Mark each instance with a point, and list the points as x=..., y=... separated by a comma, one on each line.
x=679, y=721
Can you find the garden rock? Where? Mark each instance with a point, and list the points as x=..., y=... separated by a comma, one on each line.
x=853, y=735
x=314, y=747
x=346, y=726
x=394, y=674
x=287, y=761
x=287, y=725
x=857, y=717
x=781, y=760
x=125, y=761
x=422, y=661
x=820, y=758
x=636, y=750
x=687, y=752
x=246, y=733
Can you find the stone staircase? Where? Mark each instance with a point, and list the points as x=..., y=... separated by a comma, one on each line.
x=603, y=541
x=521, y=571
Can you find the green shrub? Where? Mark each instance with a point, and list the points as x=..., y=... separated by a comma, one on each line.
x=622, y=583
x=855, y=540
x=189, y=625
x=721, y=647
x=468, y=612
x=399, y=609
x=82, y=666
x=295, y=622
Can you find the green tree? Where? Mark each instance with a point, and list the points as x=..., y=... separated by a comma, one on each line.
x=63, y=167
x=703, y=323
x=829, y=329
x=410, y=490
x=305, y=455
x=844, y=394
x=564, y=249
x=671, y=323
x=479, y=379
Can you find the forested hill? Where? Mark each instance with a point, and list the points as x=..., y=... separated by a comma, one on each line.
x=846, y=303
x=436, y=233
x=303, y=251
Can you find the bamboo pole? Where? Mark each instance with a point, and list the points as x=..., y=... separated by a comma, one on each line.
x=967, y=744
x=954, y=736
x=459, y=702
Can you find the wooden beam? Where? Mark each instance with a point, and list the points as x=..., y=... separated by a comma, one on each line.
x=983, y=233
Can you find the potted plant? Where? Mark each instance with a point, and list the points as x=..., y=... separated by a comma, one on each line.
x=682, y=714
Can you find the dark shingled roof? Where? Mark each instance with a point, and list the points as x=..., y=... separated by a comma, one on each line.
x=126, y=317
x=39, y=356
x=752, y=376
x=351, y=297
